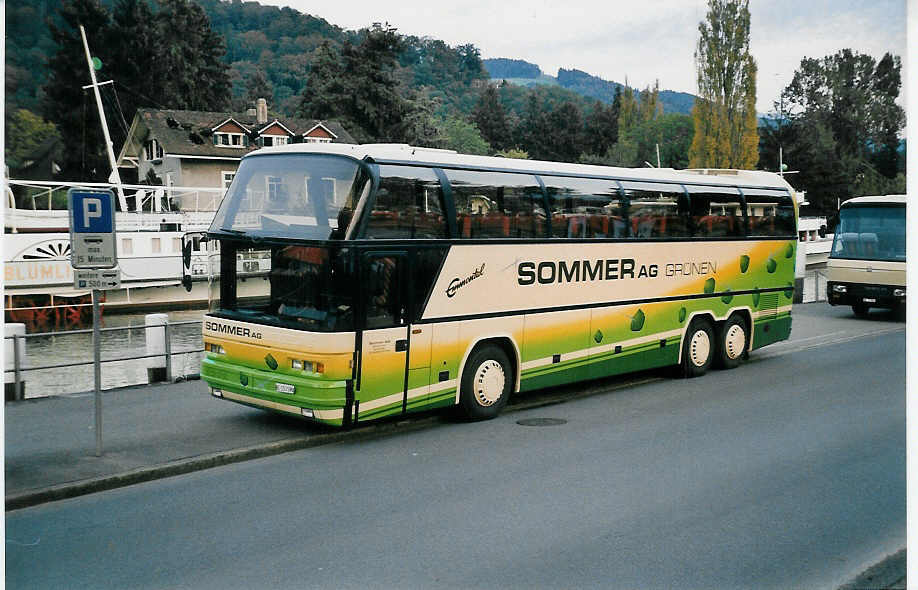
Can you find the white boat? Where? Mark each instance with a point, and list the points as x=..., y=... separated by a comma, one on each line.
x=38, y=278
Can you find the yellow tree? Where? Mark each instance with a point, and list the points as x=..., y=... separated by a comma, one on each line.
x=726, y=133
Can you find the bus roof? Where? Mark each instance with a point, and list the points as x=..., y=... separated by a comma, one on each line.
x=406, y=154
x=876, y=200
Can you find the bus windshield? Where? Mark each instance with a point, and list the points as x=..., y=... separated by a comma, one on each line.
x=870, y=233
x=310, y=197
x=292, y=286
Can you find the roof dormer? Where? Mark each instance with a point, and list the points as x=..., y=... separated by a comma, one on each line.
x=231, y=134
x=319, y=133
x=274, y=133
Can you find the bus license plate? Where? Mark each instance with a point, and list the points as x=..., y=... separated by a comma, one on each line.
x=285, y=388
x=869, y=300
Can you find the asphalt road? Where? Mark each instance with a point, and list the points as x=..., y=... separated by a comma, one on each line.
x=788, y=472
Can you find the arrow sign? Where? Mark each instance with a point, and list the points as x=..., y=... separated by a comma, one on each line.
x=97, y=279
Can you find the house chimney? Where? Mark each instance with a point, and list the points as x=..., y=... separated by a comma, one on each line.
x=261, y=111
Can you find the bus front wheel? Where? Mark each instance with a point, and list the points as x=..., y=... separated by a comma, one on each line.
x=731, y=343
x=486, y=383
x=698, y=348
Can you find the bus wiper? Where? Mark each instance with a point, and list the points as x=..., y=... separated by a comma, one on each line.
x=237, y=232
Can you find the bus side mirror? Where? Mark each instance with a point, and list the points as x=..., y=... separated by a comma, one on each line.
x=822, y=231
x=186, y=282
x=186, y=254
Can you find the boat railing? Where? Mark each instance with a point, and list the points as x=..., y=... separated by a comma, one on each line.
x=41, y=202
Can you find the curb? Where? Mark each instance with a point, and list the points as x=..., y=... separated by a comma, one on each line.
x=201, y=462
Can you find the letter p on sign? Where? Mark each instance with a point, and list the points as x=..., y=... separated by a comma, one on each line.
x=92, y=208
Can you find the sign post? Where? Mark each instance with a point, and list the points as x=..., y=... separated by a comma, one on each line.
x=93, y=247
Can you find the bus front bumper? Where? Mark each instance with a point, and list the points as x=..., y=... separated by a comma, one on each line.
x=313, y=398
x=890, y=296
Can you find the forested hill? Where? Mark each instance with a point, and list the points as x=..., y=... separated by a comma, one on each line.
x=524, y=73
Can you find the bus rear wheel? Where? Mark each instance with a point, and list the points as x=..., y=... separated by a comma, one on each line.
x=731, y=343
x=486, y=383
x=698, y=348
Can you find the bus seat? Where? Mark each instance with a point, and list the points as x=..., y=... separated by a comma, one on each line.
x=869, y=243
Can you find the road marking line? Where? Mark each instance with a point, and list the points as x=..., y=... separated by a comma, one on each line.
x=790, y=349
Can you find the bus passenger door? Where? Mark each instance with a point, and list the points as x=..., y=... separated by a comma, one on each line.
x=383, y=359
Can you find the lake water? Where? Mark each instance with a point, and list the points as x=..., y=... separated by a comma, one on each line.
x=61, y=348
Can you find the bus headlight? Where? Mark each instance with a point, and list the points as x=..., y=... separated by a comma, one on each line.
x=898, y=292
x=307, y=366
x=840, y=288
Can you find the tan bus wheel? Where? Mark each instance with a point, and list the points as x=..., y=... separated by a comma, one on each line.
x=486, y=383
x=732, y=341
x=698, y=348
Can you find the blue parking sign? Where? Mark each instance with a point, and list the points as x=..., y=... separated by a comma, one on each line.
x=92, y=211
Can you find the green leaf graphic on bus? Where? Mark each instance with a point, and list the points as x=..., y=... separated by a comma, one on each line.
x=789, y=291
x=789, y=250
x=682, y=314
x=728, y=297
x=771, y=265
x=744, y=263
x=597, y=336
x=709, y=286
x=756, y=297
x=637, y=321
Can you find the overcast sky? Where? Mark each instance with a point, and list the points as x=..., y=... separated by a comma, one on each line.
x=641, y=39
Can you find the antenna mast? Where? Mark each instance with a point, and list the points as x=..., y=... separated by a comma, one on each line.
x=108, y=140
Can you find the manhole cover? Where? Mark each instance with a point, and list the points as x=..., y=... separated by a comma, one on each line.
x=541, y=422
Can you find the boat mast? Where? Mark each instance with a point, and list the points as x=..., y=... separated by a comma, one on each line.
x=108, y=140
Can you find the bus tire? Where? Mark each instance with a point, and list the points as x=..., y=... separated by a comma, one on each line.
x=486, y=383
x=861, y=310
x=732, y=340
x=698, y=348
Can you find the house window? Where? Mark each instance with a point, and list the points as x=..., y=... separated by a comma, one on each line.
x=157, y=245
x=233, y=140
x=127, y=246
x=275, y=188
x=227, y=176
x=271, y=140
x=318, y=140
x=152, y=150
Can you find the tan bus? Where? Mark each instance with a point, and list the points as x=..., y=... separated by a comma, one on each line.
x=866, y=267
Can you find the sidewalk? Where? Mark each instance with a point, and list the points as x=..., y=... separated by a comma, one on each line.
x=148, y=432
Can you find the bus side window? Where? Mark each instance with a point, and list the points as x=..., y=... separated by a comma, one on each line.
x=408, y=204
x=585, y=207
x=715, y=212
x=771, y=213
x=496, y=204
x=657, y=210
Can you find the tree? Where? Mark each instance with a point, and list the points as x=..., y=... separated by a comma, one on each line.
x=25, y=131
x=188, y=69
x=724, y=114
x=600, y=127
x=839, y=125
x=464, y=137
x=491, y=119
x=360, y=86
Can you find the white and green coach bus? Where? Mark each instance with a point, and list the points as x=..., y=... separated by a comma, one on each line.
x=866, y=266
x=403, y=278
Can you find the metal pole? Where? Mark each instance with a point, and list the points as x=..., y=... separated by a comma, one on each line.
x=168, y=343
x=108, y=140
x=17, y=366
x=97, y=366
